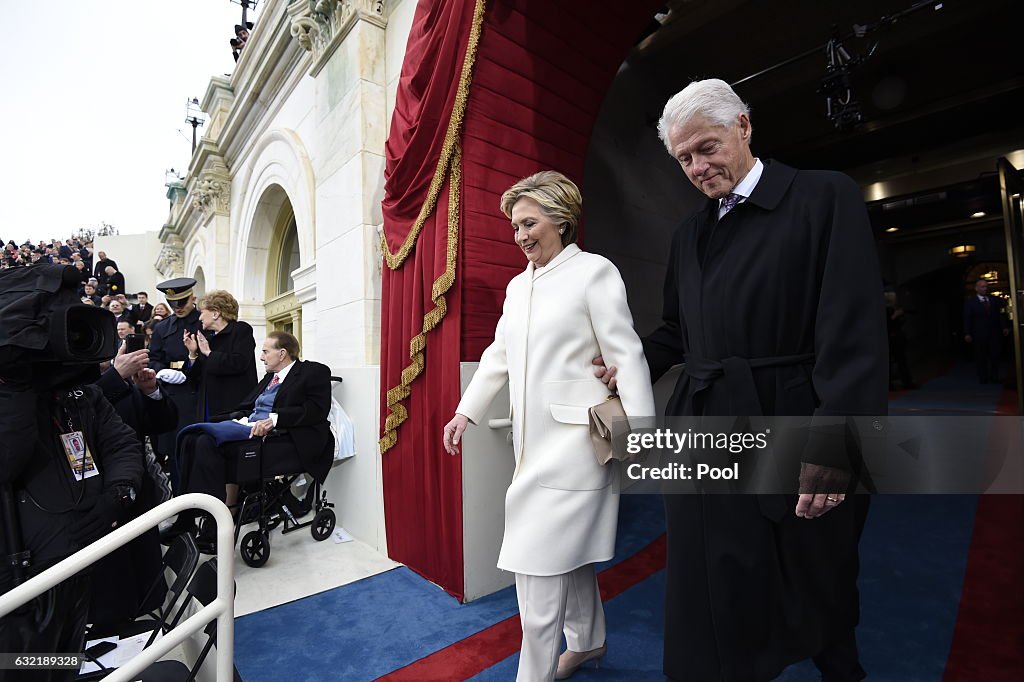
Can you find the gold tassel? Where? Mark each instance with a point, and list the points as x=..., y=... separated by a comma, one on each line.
x=449, y=167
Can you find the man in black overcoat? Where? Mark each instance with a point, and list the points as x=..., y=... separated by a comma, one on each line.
x=772, y=302
x=985, y=325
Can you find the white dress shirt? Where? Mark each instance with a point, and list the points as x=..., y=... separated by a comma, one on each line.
x=745, y=186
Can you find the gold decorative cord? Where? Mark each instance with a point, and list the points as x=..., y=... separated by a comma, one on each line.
x=449, y=167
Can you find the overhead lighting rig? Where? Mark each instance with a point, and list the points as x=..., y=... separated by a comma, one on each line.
x=841, y=104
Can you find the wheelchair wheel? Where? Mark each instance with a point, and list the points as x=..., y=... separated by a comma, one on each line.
x=255, y=548
x=323, y=524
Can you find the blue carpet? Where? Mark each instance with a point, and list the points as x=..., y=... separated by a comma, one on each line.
x=956, y=392
x=374, y=626
x=913, y=559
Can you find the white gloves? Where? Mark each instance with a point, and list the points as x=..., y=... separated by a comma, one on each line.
x=170, y=376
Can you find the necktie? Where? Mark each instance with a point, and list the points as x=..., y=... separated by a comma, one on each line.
x=729, y=203
x=988, y=308
x=274, y=382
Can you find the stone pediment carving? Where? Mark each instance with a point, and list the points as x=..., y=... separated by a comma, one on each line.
x=171, y=261
x=320, y=25
x=212, y=191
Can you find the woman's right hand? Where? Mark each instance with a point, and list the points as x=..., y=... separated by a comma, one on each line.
x=189, y=340
x=453, y=431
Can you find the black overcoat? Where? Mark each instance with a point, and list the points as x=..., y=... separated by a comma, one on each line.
x=167, y=351
x=777, y=309
x=226, y=376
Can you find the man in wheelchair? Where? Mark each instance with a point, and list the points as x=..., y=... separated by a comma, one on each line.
x=286, y=414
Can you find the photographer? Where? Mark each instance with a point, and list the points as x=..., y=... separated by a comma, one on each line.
x=127, y=573
x=69, y=468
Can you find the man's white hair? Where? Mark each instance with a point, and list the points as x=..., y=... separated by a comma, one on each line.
x=713, y=99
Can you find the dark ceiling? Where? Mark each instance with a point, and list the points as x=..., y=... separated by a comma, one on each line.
x=937, y=77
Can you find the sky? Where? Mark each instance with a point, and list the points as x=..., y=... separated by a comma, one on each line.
x=93, y=107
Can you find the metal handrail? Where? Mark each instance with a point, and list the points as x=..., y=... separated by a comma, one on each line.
x=222, y=608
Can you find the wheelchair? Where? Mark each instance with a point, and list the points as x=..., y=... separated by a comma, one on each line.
x=267, y=501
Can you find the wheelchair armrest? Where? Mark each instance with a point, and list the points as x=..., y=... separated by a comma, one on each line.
x=225, y=416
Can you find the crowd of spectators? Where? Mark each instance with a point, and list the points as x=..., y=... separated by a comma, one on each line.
x=101, y=283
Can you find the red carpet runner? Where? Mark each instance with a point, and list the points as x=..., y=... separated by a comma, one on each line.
x=988, y=641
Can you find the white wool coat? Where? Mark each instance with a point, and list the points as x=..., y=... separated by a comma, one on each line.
x=560, y=509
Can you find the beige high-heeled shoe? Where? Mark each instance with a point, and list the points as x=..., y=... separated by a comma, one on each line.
x=571, y=661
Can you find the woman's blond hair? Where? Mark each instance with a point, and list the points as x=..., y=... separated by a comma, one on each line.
x=558, y=197
x=220, y=301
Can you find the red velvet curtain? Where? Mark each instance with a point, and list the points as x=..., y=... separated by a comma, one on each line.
x=422, y=484
x=541, y=71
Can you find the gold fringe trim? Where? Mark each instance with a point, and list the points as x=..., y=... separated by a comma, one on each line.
x=449, y=167
x=448, y=147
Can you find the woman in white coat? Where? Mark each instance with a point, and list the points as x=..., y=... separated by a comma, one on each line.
x=561, y=512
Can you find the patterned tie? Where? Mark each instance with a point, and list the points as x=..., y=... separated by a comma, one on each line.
x=273, y=382
x=729, y=203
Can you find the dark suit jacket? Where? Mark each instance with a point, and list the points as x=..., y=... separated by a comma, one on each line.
x=141, y=313
x=981, y=325
x=302, y=405
x=227, y=375
x=101, y=265
x=115, y=283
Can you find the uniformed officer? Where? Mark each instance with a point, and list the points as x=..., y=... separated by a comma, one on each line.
x=168, y=356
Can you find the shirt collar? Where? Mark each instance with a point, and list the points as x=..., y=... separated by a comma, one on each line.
x=283, y=372
x=746, y=186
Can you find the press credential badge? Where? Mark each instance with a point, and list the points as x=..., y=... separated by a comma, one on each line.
x=80, y=460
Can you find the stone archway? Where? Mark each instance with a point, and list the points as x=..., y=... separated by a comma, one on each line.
x=278, y=189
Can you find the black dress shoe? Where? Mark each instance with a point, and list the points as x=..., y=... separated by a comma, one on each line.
x=206, y=540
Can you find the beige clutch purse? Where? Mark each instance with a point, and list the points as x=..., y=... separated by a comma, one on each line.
x=601, y=419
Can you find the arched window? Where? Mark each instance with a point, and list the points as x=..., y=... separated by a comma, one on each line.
x=283, y=310
x=288, y=258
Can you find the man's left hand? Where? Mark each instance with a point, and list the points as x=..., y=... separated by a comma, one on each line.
x=261, y=428
x=821, y=490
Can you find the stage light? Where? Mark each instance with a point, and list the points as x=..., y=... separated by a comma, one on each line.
x=978, y=214
x=892, y=229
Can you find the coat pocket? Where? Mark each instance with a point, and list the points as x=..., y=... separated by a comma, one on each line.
x=570, y=414
x=568, y=461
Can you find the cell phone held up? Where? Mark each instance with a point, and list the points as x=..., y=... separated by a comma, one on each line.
x=134, y=342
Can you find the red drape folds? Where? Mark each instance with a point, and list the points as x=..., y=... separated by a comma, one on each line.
x=422, y=484
x=541, y=71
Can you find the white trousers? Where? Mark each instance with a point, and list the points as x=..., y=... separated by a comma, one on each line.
x=551, y=605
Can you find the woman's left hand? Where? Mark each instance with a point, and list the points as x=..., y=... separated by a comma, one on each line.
x=204, y=343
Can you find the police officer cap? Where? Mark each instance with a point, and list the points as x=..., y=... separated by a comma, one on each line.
x=177, y=290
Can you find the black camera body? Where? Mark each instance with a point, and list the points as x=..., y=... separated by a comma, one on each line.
x=44, y=325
